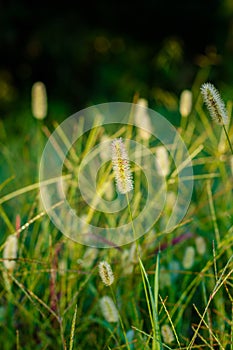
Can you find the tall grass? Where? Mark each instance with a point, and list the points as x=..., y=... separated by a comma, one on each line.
x=51, y=299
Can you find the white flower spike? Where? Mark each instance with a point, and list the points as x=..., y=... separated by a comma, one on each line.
x=214, y=103
x=109, y=309
x=121, y=168
x=106, y=274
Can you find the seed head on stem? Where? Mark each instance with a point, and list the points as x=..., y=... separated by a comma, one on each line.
x=216, y=108
x=121, y=168
x=214, y=103
x=106, y=274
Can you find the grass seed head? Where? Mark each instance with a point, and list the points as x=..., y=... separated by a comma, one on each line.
x=10, y=252
x=185, y=103
x=142, y=119
x=106, y=273
x=121, y=168
x=167, y=334
x=162, y=161
x=188, y=258
x=214, y=103
x=200, y=245
x=39, y=100
x=109, y=309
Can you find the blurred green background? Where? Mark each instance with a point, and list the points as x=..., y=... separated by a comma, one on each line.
x=88, y=53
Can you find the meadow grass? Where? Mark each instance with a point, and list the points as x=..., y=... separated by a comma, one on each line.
x=171, y=290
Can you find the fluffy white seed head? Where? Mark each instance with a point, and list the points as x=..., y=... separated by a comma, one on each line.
x=214, y=103
x=185, y=103
x=10, y=252
x=142, y=119
x=188, y=258
x=106, y=273
x=109, y=309
x=162, y=161
x=167, y=334
x=121, y=168
x=200, y=245
x=39, y=100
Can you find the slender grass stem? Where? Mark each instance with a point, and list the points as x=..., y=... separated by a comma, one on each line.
x=121, y=322
x=152, y=304
x=231, y=325
x=73, y=328
x=228, y=139
x=213, y=214
x=132, y=224
x=218, y=285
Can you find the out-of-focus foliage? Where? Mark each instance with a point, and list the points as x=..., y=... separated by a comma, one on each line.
x=91, y=53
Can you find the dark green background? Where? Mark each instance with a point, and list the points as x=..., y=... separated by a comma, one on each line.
x=89, y=53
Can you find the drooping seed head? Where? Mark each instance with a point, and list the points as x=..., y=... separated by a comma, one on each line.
x=106, y=273
x=214, y=103
x=121, y=168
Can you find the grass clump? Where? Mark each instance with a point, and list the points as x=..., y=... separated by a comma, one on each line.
x=171, y=290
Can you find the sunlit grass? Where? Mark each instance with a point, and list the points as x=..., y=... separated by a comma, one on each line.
x=51, y=298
